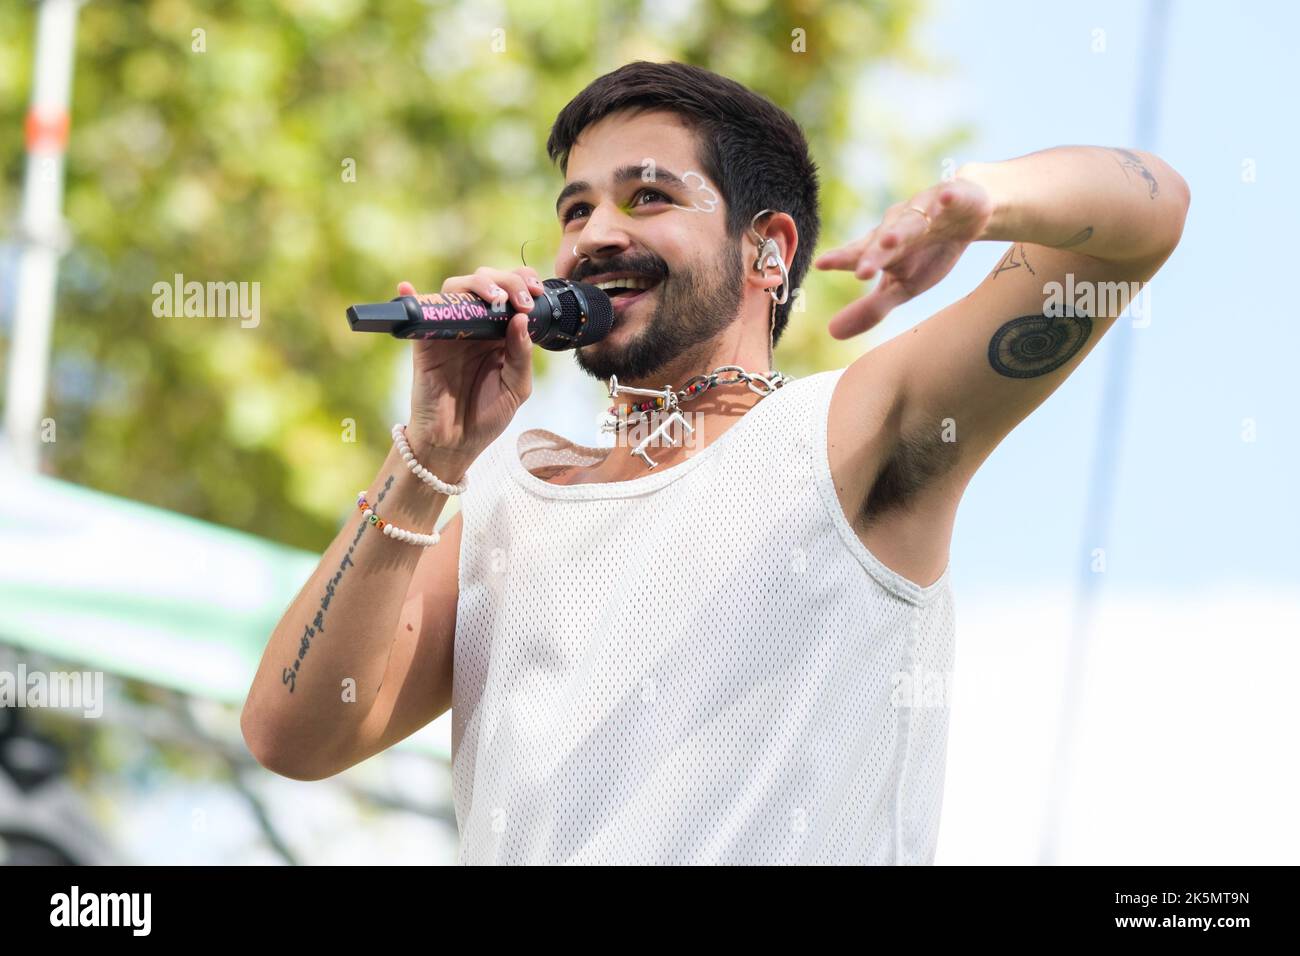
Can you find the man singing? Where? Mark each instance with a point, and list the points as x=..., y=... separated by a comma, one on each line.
x=719, y=640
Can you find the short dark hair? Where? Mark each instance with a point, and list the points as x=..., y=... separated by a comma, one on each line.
x=749, y=146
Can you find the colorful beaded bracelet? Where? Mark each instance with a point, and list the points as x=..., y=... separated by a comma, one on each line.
x=391, y=530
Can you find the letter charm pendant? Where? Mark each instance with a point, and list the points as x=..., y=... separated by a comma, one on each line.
x=661, y=430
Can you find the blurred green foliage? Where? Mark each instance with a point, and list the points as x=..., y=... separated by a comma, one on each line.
x=227, y=164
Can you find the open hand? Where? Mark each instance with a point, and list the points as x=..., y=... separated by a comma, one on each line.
x=915, y=245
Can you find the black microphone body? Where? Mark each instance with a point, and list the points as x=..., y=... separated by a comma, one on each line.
x=567, y=315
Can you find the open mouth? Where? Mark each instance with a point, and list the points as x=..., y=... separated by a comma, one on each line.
x=623, y=292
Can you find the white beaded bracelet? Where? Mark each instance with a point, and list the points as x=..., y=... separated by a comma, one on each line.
x=417, y=469
x=391, y=530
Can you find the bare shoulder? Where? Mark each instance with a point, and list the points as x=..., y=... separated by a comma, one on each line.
x=860, y=426
x=898, y=489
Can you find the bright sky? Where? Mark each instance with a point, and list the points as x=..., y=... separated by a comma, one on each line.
x=1183, y=751
x=1196, y=505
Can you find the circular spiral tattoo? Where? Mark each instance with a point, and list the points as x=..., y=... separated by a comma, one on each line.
x=1034, y=345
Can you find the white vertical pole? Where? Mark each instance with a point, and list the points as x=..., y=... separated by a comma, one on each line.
x=42, y=235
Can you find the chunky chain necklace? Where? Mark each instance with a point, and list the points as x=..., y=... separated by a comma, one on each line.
x=622, y=416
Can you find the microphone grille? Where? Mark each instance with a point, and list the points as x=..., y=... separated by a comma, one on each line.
x=586, y=313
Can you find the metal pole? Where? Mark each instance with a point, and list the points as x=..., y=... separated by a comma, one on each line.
x=1105, y=470
x=42, y=235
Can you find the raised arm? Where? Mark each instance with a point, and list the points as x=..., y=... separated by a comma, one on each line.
x=1088, y=226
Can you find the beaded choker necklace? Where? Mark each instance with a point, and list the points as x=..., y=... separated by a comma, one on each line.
x=622, y=416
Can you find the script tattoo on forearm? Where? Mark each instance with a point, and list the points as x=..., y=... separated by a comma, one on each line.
x=1034, y=345
x=290, y=675
x=1083, y=235
x=1132, y=162
x=1010, y=261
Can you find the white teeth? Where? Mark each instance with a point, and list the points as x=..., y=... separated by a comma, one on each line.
x=631, y=282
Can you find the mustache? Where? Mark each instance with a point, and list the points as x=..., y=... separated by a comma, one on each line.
x=651, y=267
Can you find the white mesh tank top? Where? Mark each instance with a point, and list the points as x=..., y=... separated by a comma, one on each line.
x=701, y=665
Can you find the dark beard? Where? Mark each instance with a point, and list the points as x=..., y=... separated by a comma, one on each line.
x=693, y=306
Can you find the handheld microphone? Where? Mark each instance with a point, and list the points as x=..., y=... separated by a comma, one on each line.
x=567, y=315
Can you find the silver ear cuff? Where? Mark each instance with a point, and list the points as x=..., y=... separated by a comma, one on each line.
x=769, y=255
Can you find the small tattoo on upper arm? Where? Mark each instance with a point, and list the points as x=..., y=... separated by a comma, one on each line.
x=1083, y=235
x=1132, y=161
x=1009, y=261
x=1034, y=345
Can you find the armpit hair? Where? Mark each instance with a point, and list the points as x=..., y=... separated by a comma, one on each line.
x=916, y=462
